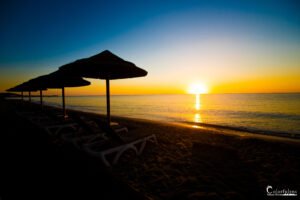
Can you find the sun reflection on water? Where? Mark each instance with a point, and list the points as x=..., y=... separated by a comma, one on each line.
x=197, y=116
x=197, y=104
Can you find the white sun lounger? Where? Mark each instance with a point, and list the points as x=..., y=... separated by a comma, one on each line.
x=54, y=130
x=117, y=152
x=52, y=127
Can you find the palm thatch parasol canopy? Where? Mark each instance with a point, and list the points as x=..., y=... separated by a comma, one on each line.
x=104, y=65
x=24, y=87
x=59, y=80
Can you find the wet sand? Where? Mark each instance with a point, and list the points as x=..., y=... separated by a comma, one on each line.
x=187, y=163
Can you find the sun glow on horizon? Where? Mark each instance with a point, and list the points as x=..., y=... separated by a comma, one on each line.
x=197, y=88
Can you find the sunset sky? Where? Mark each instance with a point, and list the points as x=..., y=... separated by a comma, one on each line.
x=229, y=46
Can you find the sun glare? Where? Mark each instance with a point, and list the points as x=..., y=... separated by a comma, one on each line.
x=197, y=88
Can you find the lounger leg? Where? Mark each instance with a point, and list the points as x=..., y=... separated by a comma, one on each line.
x=119, y=154
x=104, y=160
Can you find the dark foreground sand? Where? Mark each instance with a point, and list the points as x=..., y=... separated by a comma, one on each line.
x=188, y=163
x=34, y=167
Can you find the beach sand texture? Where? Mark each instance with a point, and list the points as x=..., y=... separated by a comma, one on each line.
x=193, y=163
x=187, y=163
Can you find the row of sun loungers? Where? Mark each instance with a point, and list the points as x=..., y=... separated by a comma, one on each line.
x=107, y=143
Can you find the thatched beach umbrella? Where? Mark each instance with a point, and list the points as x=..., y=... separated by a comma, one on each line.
x=33, y=84
x=104, y=65
x=59, y=80
x=24, y=87
x=16, y=89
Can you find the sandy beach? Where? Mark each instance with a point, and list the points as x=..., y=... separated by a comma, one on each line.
x=187, y=163
x=200, y=163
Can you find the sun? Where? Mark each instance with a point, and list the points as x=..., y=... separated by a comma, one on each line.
x=197, y=88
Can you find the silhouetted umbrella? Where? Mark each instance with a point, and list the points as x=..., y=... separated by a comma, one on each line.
x=104, y=65
x=16, y=89
x=33, y=84
x=60, y=80
x=24, y=87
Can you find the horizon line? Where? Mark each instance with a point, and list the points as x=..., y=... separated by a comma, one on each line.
x=77, y=95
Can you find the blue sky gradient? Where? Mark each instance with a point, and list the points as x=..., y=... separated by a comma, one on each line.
x=37, y=36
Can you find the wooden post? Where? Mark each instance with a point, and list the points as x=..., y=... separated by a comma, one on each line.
x=41, y=97
x=63, y=101
x=107, y=102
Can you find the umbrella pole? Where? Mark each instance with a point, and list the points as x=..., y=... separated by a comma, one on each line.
x=22, y=97
x=63, y=101
x=41, y=98
x=30, y=96
x=107, y=102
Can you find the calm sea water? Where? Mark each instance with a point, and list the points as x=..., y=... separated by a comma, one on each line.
x=270, y=113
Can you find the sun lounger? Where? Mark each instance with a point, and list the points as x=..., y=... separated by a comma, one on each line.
x=56, y=129
x=52, y=124
x=116, y=152
x=96, y=127
x=117, y=127
x=108, y=142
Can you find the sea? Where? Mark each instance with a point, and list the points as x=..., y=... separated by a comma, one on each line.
x=274, y=114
